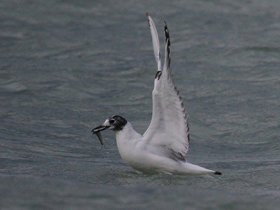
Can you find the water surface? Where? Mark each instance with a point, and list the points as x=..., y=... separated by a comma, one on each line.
x=65, y=66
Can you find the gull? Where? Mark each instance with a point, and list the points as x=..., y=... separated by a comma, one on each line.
x=162, y=148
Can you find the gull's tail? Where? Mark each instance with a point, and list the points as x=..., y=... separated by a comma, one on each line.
x=217, y=173
x=189, y=168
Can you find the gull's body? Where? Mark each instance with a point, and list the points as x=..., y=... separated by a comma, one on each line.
x=162, y=148
x=142, y=156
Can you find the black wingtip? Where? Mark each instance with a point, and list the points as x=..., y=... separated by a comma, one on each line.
x=166, y=33
x=217, y=173
x=166, y=30
x=147, y=14
x=167, y=40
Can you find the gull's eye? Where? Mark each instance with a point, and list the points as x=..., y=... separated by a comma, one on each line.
x=111, y=121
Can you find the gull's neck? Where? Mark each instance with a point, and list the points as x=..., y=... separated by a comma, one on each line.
x=127, y=140
x=127, y=133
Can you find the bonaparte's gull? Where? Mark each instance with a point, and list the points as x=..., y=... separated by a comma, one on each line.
x=163, y=146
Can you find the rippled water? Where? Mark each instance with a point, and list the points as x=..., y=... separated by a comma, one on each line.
x=65, y=66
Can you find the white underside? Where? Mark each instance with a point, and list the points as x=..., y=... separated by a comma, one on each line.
x=143, y=157
x=157, y=164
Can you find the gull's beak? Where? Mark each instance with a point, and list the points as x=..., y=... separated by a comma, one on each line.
x=99, y=128
x=102, y=127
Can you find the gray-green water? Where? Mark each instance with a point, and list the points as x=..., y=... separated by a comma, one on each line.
x=65, y=66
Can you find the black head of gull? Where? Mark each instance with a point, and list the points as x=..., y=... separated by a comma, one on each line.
x=115, y=123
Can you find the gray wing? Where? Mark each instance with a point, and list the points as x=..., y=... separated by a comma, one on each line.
x=169, y=126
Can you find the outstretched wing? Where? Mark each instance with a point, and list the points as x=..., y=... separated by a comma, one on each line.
x=169, y=128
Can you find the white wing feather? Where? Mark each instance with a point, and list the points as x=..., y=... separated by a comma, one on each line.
x=169, y=127
x=155, y=40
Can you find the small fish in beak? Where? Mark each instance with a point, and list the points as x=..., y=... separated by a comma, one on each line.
x=99, y=135
x=98, y=130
